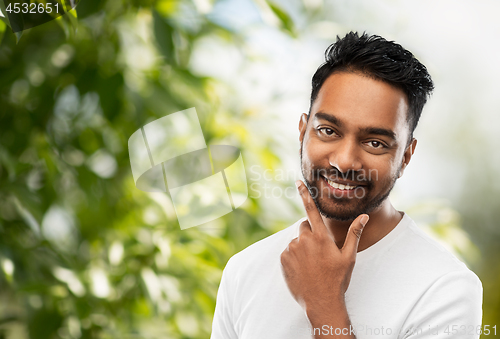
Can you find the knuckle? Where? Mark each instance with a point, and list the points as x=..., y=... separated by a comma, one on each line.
x=304, y=236
x=350, y=264
x=303, y=227
x=283, y=257
x=350, y=261
x=305, y=241
x=309, y=207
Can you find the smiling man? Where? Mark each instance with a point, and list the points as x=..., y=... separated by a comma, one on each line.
x=355, y=267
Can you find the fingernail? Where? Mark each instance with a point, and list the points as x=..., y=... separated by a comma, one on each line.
x=298, y=183
x=364, y=219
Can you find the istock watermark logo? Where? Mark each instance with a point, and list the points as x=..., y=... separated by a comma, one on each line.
x=25, y=14
x=170, y=155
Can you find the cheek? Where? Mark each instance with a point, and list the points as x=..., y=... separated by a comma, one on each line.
x=315, y=152
x=310, y=155
x=381, y=170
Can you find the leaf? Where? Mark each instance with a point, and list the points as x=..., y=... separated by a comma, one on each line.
x=15, y=20
x=8, y=318
x=73, y=18
x=285, y=19
x=8, y=163
x=3, y=27
x=68, y=23
x=167, y=7
x=163, y=32
x=4, y=18
x=88, y=7
x=18, y=36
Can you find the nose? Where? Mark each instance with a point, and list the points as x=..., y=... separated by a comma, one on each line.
x=345, y=156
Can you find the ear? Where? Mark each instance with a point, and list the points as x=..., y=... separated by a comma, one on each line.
x=407, y=156
x=302, y=126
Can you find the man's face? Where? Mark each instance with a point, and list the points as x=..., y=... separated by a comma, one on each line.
x=354, y=146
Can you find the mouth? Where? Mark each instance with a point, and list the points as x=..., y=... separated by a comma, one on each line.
x=342, y=185
x=340, y=189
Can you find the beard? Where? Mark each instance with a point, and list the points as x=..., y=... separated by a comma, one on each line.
x=346, y=208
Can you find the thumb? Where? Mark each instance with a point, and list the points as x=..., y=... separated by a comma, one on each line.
x=353, y=235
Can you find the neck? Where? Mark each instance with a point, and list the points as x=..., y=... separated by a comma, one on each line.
x=382, y=221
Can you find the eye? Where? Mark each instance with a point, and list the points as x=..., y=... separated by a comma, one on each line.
x=327, y=131
x=376, y=144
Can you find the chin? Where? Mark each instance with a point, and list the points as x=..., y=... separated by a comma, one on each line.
x=343, y=212
x=339, y=213
x=340, y=216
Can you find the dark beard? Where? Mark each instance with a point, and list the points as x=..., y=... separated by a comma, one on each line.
x=342, y=211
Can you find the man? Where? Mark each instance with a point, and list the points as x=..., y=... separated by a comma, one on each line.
x=355, y=267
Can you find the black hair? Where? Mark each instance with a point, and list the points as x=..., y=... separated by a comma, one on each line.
x=380, y=59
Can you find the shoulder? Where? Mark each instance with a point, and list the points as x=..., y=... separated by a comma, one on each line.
x=413, y=259
x=425, y=253
x=444, y=278
x=454, y=298
x=450, y=271
x=410, y=270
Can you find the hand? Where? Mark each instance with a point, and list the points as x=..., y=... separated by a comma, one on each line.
x=316, y=271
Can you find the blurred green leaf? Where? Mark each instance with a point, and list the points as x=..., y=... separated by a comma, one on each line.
x=18, y=36
x=164, y=37
x=286, y=21
x=5, y=18
x=68, y=94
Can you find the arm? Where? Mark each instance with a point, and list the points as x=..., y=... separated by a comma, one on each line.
x=222, y=325
x=325, y=326
x=450, y=308
x=318, y=273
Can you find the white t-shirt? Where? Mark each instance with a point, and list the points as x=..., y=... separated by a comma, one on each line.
x=404, y=286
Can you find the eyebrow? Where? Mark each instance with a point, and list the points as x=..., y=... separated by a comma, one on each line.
x=328, y=117
x=367, y=130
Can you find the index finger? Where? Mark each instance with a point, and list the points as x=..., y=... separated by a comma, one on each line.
x=312, y=212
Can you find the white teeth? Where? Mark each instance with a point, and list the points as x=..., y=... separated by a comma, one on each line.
x=340, y=186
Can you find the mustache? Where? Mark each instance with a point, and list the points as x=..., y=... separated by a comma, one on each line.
x=361, y=177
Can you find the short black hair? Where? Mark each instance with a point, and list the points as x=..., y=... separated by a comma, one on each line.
x=380, y=59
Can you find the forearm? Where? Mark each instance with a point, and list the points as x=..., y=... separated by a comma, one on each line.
x=330, y=321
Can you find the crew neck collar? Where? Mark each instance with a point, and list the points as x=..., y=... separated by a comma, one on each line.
x=384, y=242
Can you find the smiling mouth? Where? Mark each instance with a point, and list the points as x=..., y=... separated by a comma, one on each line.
x=342, y=187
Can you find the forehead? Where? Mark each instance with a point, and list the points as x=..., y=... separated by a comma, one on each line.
x=361, y=101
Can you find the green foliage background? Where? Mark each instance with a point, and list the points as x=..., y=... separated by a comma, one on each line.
x=72, y=91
